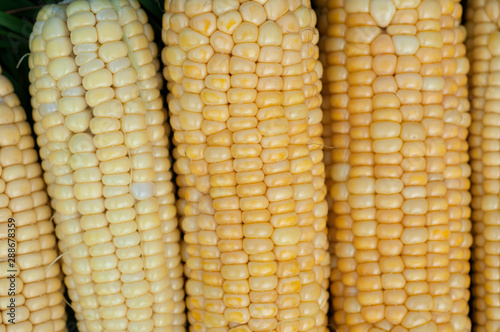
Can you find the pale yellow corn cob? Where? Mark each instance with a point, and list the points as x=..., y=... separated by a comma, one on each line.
x=244, y=98
x=30, y=277
x=103, y=117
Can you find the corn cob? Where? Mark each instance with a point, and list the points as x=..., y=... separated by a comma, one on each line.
x=37, y=289
x=484, y=155
x=244, y=102
x=456, y=123
x=393, y=244
x=331, y=22
x=95, y=94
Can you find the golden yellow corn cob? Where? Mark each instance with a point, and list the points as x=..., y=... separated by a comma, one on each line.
x=30, y=277
x=393, y=212
x=456, y=123
x=484, y=45
x=244, y=99
x=104, y=145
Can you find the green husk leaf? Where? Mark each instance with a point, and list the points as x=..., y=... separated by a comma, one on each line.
x=16, y=25
x=154, y=8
